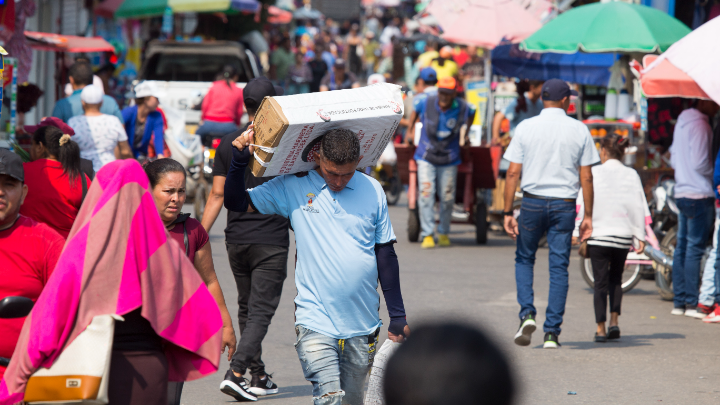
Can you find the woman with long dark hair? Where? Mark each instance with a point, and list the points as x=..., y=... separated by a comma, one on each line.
x=56, y=185
x=222, y=106
x=527, y=105
x=619, y=215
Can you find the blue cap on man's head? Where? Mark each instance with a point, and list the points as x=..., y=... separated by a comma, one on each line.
x=556, y=90
x=428, y=75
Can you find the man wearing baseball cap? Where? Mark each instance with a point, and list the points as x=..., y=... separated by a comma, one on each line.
x=29, y=252
x=438, y=155
x=554, y=153
x=425, y=85
x=257, y=247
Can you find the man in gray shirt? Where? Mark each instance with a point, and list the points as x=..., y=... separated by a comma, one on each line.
x=554, y=153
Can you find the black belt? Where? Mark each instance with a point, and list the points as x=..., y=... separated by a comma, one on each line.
x=540, y=197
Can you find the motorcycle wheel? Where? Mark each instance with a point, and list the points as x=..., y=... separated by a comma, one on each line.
x=413, y=225
x=631, y=274
x=663, y=275
x=200, y=200
x=393, y=188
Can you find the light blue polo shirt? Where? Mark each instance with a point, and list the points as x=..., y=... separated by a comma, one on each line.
x=335, y=233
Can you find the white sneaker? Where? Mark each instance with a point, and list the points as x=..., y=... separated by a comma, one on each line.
x=693, y=313
x=678, y=311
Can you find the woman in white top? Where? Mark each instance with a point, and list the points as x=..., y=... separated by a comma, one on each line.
x=97, y=134
x=620, y=213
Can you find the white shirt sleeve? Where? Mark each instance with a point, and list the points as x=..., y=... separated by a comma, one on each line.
x=514, y=152
x=701, y=136
x=589, y=154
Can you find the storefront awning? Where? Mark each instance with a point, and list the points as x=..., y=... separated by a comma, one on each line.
x=46, y=41
x=141, y=8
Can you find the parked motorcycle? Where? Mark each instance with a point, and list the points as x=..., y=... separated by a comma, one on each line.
x=14, y=307
x=202, y=174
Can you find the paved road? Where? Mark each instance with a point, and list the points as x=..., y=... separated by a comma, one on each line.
x=660, y=358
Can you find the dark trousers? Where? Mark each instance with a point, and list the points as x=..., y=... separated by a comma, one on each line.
x=138, y=377
x=259, y=271
x=608, y=264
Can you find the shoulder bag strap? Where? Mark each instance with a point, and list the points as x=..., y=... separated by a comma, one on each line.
x=84, y=187
x=186, y=240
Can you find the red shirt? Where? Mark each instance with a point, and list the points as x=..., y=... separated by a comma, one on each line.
x=28, y=254
x=223, y=103
x=197, y=236
x=51, y=199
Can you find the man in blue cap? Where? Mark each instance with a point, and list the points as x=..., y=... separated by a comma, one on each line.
x=425, y=85
x=554, y=153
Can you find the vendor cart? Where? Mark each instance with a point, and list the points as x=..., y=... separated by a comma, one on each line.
x=478, y=170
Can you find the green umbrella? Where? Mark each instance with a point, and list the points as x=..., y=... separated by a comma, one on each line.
x=608, y=27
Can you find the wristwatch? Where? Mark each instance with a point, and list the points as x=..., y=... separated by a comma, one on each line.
x=509, y=213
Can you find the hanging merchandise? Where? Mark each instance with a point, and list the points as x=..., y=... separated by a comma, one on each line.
x=623, y=104
x=611, y=105
x=167, y=23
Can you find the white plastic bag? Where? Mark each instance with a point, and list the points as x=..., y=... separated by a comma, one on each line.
x=374, y=394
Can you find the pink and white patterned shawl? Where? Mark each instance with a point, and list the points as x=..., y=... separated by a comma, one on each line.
x=117, y=258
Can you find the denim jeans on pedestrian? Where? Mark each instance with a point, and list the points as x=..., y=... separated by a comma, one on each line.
x=297, y=88
x=215, y=128
x=557, y=218
x=337, y=368
x=708, y=291
x=694, y=223
x=259, y=272
x=440, y=179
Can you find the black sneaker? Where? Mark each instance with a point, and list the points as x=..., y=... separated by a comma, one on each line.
x=263, y=386
x=237, y=388
x=524, y=333
x=551, y=341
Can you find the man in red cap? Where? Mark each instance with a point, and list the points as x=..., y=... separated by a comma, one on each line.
x=438, y=156
x=86, y=165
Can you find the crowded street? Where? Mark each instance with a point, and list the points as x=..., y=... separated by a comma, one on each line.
x=660, y=359
x=359, y=202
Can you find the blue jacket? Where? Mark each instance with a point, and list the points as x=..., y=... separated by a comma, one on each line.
x=153, y=126
x=71, y=106
x=716, y=176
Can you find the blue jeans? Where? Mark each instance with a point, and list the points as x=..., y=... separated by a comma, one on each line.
x=444, y=180
x=297, y=88
x=708, y=291
x=693, y=227
x=215, y=128
x=557, y=218
x=336, y=368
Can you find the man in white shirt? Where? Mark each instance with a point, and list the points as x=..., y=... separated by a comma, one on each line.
x=692, y=160
x=554, y=153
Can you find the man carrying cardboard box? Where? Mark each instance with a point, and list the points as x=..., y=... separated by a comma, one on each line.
x=344, y=245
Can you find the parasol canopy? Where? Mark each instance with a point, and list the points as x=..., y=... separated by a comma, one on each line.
x=307, y=13
x=697, y=55
x=608, y=27
x=663, y=79
x=581, y=68
x=46, y=41
x=483, y=23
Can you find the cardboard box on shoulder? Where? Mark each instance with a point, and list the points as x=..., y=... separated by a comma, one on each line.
x=289, y=128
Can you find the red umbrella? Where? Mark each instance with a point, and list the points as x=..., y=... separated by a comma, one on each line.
x=276, y=15
x=483, y=22
x=46, y=41
x=666, y=80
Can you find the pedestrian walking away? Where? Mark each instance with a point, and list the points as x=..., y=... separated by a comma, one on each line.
x=30, y=249
x=553, y=152
x=257, y=246
x=709, y=300
x=81, y=75
x=98, y=134
x=222, y=107
x=620, y=212
x=56, y=184
x=695, y=197
x=438, y=156
x=167, y=186
x=344, y=246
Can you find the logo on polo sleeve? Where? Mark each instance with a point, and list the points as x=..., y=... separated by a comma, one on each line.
x=309, y=207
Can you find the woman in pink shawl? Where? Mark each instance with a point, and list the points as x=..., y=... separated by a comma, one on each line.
x=119, y=259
